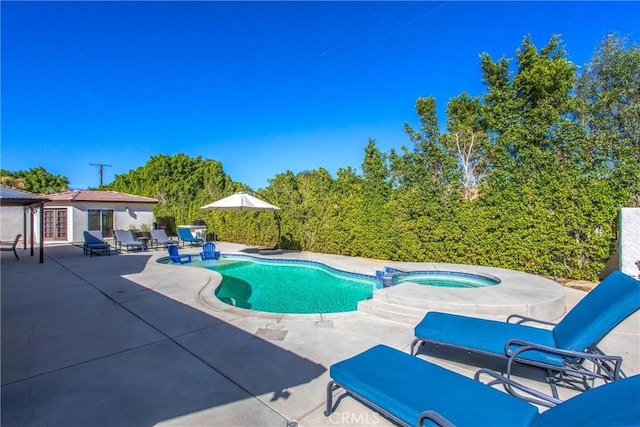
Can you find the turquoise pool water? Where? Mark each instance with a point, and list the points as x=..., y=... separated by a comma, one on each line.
x=296, y=288
x=446, y=279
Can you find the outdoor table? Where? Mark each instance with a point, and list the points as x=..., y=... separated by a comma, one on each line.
x=143, y=240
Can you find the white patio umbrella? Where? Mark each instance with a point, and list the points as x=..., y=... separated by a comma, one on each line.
x=243, y=202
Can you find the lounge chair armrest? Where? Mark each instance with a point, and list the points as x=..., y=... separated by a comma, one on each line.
x=435, y=417
x=522, y=319
x=529, y=346
x=513, y=387
x=605, y=367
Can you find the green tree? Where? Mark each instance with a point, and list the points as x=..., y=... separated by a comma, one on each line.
x=468, y=138
x=182, y=184
x=376, y=217
x=35, y=180
x=348, y=198
x=608, y=92
x=552, y=218
x=429, y=167
x=525, y=111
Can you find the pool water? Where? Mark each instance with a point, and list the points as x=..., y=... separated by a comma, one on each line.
x=298, y=288
x=446, y=279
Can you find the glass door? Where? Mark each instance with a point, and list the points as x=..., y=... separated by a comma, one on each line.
x=107, y=223
x=55, y=224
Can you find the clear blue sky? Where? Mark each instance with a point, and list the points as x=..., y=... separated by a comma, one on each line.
x=263, y=87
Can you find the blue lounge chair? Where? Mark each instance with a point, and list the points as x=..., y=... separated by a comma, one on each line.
x=185, y=235
x=568, y=352
x=93, y=241
x=209, y=251
x=411, y=391
x=175, y=256
x=125, y=239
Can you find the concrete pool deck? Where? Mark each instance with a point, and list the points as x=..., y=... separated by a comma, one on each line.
x=123, y=340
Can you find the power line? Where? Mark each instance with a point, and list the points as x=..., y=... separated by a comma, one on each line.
x=101, y=167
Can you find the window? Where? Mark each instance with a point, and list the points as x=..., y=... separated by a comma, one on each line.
x=101, y=219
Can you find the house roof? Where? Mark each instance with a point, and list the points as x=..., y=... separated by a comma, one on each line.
x=14, y=197
x=99, y=196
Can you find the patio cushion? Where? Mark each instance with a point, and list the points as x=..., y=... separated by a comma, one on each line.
x=405, y=386
x=613, y=404
x=489, y=336
x=608, y=304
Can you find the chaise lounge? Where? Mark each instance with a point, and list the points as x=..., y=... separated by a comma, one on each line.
x=159, y=237
x=125, y=239
x=93, y=241
x=185, y=235
x=568, y=352
x=411, y=391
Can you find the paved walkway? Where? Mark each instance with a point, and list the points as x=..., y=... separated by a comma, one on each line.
x=124, y=341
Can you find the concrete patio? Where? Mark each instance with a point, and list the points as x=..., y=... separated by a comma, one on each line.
x=125, y=341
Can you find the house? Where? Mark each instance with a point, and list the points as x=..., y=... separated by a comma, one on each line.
x=68, y=214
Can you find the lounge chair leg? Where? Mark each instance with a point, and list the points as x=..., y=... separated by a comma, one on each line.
x=331, y=387
x=16, y=254
x=552, y=384
x=414, y=344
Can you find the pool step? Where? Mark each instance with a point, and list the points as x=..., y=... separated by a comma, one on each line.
x=409, y=303
x=395, y=312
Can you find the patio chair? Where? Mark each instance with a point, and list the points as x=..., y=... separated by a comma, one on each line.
x=568, y=352
x=159, y=237
x=175, y=256
x=124, y=238
x=93, y=241
x=209, y=251
x=13, y=246
x=412, y=391
x=185, y=235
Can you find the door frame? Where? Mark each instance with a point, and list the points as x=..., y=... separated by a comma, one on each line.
x=60, y=230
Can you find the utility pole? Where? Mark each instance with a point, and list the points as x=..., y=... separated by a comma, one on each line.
x=100, y=166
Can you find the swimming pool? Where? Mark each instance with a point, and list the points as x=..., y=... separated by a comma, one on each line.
x=446, y=279
x=287, y=286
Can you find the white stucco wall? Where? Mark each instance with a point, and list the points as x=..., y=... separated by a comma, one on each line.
x=138, y=214
x=11, y=222
x=630, y=241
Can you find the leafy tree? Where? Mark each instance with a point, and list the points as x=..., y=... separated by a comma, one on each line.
x=429, y=167
x=182, y=184
x=348, y=199
x=468, y=138
x=36, y=180
x=526, y=110
x=376, y=217
x=608, y=92
x=555, y=218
